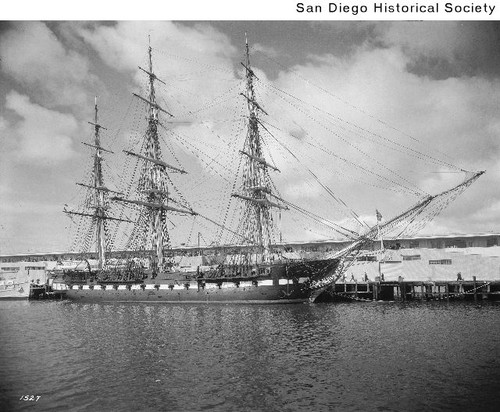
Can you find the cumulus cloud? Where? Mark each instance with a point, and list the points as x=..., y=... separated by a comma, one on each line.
x=447, y=49
x=453, y=119
x=34, y=57
x=196, y=62
x=199, y=65
x=423, y=37
x=178, y=49
x=41, y=134
x=268, y=51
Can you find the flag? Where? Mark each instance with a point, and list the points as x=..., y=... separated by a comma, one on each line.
x=379, y=215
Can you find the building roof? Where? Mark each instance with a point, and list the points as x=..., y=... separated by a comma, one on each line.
x=455, y=236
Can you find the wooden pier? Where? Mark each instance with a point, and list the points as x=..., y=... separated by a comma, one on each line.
x=404, y=291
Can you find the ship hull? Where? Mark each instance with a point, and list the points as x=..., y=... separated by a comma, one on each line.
x=226, y=294
x=273, y=288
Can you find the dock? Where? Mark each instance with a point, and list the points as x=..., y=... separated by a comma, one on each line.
x=44, y=292
x=403, y=291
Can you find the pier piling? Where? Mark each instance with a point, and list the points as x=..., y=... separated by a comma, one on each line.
x=475, y=288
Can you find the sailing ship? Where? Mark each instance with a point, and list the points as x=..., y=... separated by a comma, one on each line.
x=256, y=272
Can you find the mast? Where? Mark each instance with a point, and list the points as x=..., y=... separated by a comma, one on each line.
x=98, y=199
x=151, y=230
x=99, y=194
x=438, y=201
x=152, y=179
x=257, y=224
x=379, y=219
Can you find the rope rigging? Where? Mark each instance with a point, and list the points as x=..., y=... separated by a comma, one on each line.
x=332, y=132
x=348, y=104
x=236, y=191
x=359, y=130
x=327, y=189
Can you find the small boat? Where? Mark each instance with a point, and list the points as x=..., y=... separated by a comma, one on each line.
x=14, y=286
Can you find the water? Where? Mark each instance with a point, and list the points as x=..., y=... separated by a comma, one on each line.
x=324, y=357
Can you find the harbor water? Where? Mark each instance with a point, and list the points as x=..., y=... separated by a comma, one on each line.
x=381, y=356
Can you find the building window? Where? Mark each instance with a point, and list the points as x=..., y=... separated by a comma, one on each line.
x=440, y=262
x=367, y=258
x=436, y=244
x=414, y=244
x=458, y=243
x=492, y=242
x=411, y=257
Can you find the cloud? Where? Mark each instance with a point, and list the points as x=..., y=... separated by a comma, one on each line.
x=268, y=51
x=393, y=74
x=124, y=45
x=447, y=49
x=196, y=63
x=454, y=120
x=3, y=124
x=423, y=37
x=439, y=94
x=40, y=134
x=33, y=56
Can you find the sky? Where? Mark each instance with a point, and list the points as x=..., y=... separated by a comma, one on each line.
x=388, y=96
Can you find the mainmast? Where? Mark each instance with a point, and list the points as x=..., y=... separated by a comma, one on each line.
x=99, y=194
x=151, y=229
x=257, y=224
x=153, y=180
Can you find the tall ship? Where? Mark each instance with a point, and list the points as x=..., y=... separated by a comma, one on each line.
x=252, y=268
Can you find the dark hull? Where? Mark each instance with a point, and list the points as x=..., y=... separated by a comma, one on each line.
x=249, y=294
x=276, y=283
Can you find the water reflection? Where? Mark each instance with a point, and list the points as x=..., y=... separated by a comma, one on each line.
x=382, y=356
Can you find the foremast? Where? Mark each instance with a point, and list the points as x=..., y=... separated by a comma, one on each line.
x=257, y=224
x=99, y=201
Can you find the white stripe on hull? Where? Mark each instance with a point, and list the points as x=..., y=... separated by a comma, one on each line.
x=228, y=292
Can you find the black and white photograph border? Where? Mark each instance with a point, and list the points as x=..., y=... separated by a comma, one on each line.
x=348, y=167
